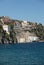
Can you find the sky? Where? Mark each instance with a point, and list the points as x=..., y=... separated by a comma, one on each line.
x=29, y=10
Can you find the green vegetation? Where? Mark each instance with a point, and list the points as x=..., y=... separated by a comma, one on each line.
x=13, y=36
x=9, y=37
x=39, y=31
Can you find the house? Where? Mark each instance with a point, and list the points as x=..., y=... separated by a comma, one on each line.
x=6, y=28
x=32, y=38
x=24, y=24
x=17, y=25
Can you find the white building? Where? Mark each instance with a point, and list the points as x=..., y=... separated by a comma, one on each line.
x=24, y=24
x=32, y=38
x=6, y=28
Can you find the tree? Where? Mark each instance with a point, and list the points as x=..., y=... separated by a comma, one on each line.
x=13, y=36
x=40, y=31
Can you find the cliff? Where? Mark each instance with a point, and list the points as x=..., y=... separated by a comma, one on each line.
x=18, y=29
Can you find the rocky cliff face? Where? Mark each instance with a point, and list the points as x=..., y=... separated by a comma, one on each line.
x=6, y=20
x=19, y=29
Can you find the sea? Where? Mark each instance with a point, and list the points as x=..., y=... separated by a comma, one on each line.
x=22, y=54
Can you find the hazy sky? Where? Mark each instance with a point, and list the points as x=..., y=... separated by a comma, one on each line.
x=31, y=10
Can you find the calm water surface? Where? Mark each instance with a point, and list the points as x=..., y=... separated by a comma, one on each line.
x=22, y=54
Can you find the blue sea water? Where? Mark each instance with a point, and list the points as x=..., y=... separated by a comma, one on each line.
x=22, y=54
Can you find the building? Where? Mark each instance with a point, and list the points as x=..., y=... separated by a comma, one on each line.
x=32, y=38
x=24, y=24
x=6, y=28
x=17, y=25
